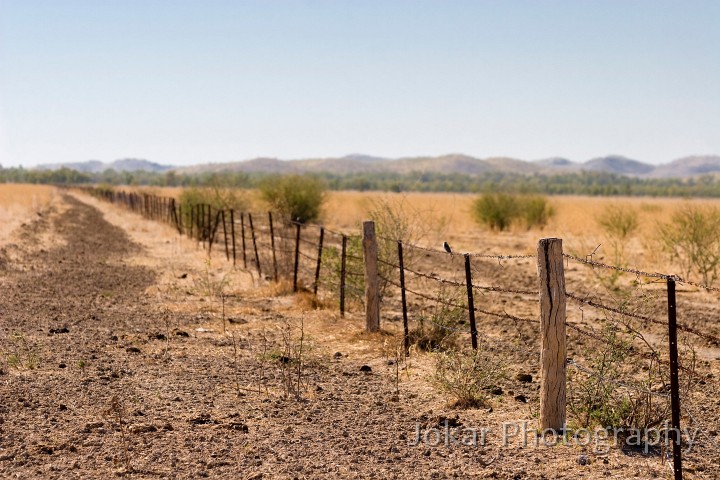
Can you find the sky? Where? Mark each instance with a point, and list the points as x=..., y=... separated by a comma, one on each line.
x=183, y=82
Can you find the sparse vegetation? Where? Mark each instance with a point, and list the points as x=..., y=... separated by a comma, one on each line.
x=617, y=392
x=619, y=222
x=596, y=400
x=466, y=376
x=218, y=196
x=692, y=240
x=438, y=330
x=24, y=354
x=292, y=360
x=400, y=220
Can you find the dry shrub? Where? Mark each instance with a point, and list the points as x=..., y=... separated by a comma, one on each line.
x=439, y=329
x=692, y=240
x=466, y=376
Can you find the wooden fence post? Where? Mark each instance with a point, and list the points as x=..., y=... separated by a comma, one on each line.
x=372, y=284
x=551, y=276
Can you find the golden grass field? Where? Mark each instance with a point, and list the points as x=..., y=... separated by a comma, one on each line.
x=448, y=216
x=18, y=202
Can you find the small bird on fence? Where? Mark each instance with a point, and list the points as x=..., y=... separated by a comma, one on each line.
x=447, y=247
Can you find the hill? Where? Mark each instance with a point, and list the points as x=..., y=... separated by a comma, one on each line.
x=455, y=163
x=121, y=165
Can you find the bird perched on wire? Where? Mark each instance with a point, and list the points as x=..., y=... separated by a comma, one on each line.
x=447, y=247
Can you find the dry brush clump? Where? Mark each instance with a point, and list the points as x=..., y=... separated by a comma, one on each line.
x=619, y=223
x=401, y=221
x=624, y=384
x=691, y=239
x=439, y=326
x=466, y=376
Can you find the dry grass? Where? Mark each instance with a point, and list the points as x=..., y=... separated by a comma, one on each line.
x=575, y=221
x=18, y=202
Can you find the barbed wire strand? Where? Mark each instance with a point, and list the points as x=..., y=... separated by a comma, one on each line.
x=454, y=283
x=698, y=285
x=684, y=328
x=503, y=315
x=640, y=273
x=595, y=374
x=443, y=252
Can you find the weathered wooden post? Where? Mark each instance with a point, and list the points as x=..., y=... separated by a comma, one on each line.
x=372, y=290
x=551, y=276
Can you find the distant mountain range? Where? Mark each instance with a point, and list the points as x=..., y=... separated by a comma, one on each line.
x=453, y=163
x=123, y=165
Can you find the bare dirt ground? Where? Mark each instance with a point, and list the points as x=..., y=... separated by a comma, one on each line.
x=116, y=363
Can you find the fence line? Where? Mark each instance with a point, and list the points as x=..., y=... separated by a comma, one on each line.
x=341, y=273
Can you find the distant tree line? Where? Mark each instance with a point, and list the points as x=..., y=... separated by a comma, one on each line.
x=576, y=183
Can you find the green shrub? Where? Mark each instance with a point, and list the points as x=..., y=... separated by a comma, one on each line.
x=535, y=211
x=692, y=239
x=296, y=197
x=496, y=210
x=500, y=210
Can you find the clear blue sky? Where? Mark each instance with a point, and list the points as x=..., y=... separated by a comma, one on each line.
x=185, y=82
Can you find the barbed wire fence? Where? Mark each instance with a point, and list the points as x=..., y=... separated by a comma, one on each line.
x=467, y=294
